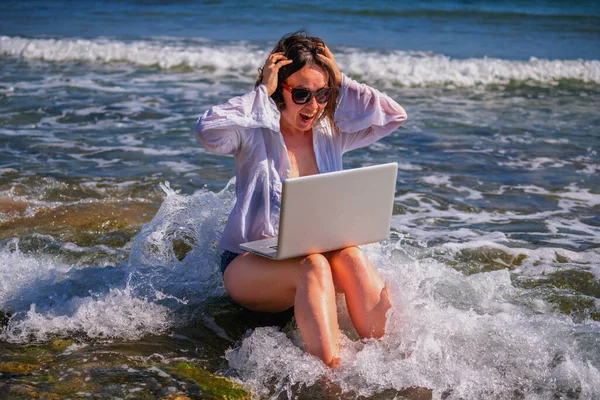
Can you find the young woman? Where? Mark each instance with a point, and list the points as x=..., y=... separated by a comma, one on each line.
x=302, y=116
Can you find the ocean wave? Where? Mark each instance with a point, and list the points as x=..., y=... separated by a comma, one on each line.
x=241, y=59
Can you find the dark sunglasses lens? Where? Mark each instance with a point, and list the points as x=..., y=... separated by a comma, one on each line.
x=301, y=96
x=323, y=95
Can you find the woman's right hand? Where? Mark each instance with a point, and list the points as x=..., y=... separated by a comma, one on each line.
x=270, y=70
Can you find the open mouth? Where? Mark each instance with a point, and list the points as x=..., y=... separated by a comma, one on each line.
x=306, y=117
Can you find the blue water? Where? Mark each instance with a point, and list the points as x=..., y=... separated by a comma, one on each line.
x=493, y=264
x=506, y=29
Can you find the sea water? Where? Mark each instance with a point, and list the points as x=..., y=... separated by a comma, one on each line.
x=110, y=211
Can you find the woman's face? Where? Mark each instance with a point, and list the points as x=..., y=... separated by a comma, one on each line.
x=301, y=117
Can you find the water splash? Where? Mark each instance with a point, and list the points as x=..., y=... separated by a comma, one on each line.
x=460, y=335
x=474, y=336
x=172, y=270
x=177, y=252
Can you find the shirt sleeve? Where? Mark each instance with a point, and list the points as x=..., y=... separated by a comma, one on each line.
x=365, y=115
x=221, y=128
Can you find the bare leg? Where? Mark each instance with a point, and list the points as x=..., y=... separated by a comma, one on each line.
x=305, y=283
x=315, y=309
x=366, y=295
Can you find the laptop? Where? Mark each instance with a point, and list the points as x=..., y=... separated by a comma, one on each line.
x=331, y=211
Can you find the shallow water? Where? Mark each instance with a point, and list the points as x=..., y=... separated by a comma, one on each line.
x=110, y=211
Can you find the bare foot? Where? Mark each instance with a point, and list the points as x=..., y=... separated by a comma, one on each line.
x=335, y=362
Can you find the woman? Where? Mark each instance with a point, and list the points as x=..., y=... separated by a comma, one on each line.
x=301, y=117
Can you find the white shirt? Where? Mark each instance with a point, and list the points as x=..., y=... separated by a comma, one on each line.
x=248, y=128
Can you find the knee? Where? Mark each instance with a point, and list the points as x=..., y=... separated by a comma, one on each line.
x=349, y=263
x=315, y=268
x=349, y=256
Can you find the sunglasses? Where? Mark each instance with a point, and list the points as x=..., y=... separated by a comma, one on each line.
x=303, y=96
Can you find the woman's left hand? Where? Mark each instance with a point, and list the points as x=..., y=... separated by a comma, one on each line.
x=328, y=58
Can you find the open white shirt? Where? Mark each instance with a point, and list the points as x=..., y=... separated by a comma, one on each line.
x=248, y=128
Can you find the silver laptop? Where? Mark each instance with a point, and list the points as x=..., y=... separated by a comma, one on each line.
x=331, y=211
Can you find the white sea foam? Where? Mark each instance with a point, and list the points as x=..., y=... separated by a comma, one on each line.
x=130, y=140
x=179, y=166
x=39, y=291
x=437, y=180
x=85, y=151
x=590, y=169
x=462, y=336
x=535, y=163
x=537, y=262
x=571, y=195
x=269, y=355
x=117, y=314
x=195, y=221
x=426, y=220
x=405, y=166
x=556, y=141
x=242, y=59
x=49, y=297
x=18, y=271
x=445, y=181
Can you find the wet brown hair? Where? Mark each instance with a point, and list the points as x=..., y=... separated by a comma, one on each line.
x=303, y=50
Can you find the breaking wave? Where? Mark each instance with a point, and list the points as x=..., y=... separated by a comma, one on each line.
x=241, y=59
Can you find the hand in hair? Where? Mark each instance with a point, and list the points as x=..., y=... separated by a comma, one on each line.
x=270, y=70
x=328, y=58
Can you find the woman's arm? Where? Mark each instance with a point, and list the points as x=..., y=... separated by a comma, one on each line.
x=221, y=128
x=365, y=115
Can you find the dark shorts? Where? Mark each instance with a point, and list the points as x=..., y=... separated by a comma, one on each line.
x=226, y=259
